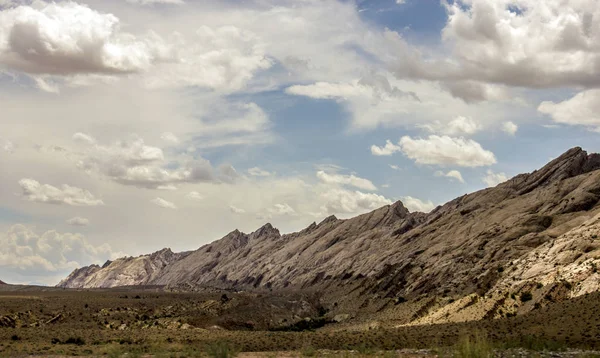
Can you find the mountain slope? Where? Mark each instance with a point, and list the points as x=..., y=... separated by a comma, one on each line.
x=457, y=250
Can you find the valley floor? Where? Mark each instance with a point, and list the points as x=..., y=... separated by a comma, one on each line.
x=149, y=322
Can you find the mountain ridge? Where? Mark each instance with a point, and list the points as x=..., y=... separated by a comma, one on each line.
x=390, y=254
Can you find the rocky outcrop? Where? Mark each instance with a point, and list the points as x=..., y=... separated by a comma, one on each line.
x=462, y=249
x=127, y=271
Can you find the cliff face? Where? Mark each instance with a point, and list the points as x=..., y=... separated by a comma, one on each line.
x=461, y=248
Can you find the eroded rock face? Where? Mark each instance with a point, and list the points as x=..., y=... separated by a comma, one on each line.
x=461, y=249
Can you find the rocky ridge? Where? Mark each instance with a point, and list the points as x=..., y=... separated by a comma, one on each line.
x=469, y=256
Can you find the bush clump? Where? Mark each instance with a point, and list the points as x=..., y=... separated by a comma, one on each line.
x=526, y=296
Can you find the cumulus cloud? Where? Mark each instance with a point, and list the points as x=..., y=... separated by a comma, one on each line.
x=351, y=180
x=236, y=210
x=169, y=137
x=458, y=126
x=395, y=167
x=133, y=162
x=526, y=43
x=32, y=190
x=84, y=138
x=68, y=38
x=510, y=128
x=78, y=221
x=389, y=149
x=492, y=179
x=7, y=146
x=257, y=172
x=154, y=2
x=30, y=253
x=445, y=150
x=417, y=205
x=163, y=203
x=372, y=99
x=222, y=57
x=277, y=210
x=581, y=109
x=453, y=174
x=194, y=195
x=345, y=201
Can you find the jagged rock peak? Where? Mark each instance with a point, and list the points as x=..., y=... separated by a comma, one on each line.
x=266, y=231
x=573, y=162
x=329, y=219
x=107, y=263
x=399, y=209
x=162, y=253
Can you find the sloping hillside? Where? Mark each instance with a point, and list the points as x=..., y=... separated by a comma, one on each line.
x=469, y=246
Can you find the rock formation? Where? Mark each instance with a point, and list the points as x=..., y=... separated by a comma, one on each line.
x=541, y=226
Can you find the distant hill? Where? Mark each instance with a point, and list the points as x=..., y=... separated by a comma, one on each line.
x=2, y=283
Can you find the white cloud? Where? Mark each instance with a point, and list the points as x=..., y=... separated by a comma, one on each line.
x=163, y=203
x=454, y=174
x=257, y=172
x=417, y=205
x=168, y=187
x=84, y=138
x=78, y=221
x=458, y=126
x=510, y=128
x=132, y=162
x=221, y=57
x=7, y=146
x=194, y=195
x=66, y=194
x=32, y=254
x=444, y=150
x=67, y=38
x=492, y=179
x=395, y=167
x=277, y=210
x=526, y=43
x=236, y=210
x=154, y=2
x=372, y=99
x=582, y=109
x=169, y=137
x=351, y=180
x=346, y=201
x=389, y=149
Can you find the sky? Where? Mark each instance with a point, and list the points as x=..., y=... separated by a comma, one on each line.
x=127, y=126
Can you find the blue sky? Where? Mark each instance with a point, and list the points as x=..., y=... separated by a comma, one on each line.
x=132, y=125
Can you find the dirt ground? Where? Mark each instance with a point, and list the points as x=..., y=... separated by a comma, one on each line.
x=149, y=322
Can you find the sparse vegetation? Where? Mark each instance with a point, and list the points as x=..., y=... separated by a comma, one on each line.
x=221, y=349
x=473, y=347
